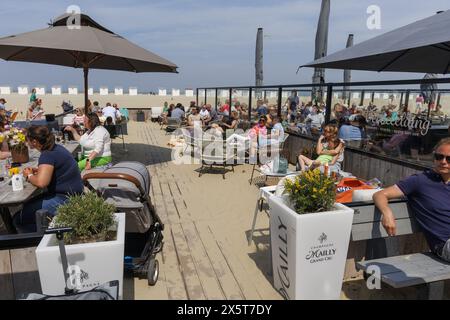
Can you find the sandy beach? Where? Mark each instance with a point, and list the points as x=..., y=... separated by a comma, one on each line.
x=52, y=103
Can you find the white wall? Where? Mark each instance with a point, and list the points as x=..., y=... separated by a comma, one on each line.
x=189, y=93
x=162, y=92
x=90, y=91
x=118, y=91
x=175, y=92
x=104, y=91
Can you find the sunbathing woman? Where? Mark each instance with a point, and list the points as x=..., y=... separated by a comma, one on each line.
x=328, y=148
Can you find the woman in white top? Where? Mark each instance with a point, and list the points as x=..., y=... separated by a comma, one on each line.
x=96, y=143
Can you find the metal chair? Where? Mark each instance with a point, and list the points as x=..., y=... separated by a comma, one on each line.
x=277, y=148
x=115, y=131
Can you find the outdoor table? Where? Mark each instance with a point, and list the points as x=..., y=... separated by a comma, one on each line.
x=270, y=174
x=10, y=198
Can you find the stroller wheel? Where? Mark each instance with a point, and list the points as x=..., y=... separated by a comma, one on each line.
x=153, y=272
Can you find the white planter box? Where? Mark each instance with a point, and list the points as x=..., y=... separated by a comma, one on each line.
x=96, y=263
x=309, y=251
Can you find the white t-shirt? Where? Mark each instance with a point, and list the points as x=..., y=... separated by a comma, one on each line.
x=316, y=119
x=204, y=113
x=110, y=111
x=97, y=140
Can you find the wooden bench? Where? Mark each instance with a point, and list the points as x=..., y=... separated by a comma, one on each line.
x=422, y=269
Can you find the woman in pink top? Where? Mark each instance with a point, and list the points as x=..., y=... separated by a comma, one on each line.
x=258, y=131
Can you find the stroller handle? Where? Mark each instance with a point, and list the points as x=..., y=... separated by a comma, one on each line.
x=112, y=175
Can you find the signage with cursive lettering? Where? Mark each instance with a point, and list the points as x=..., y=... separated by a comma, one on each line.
x=418, y=124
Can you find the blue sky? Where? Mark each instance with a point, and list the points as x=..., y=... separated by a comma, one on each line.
x=212, y=42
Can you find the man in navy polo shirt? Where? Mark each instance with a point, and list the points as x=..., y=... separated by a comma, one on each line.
x=428, y=195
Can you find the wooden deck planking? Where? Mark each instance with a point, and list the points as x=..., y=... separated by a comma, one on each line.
x=25, y=275
x=205, y=271
x=195, y=263
x=229, y=282
x=6, y=279
x=195, y=290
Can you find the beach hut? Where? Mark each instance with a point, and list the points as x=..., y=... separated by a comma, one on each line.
x=5, y=90
x=162, y=92
x=133, y=91
x=118, y=91
x=189, y=93
x=104, y=91
x=56, y=91
x=73, y=90
x=90, y=91
x=175, y=92
x=90, y=47
x=22, y=90
x=40, y=90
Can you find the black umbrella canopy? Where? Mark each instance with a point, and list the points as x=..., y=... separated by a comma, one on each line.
x=422, y=46
x=91, y=46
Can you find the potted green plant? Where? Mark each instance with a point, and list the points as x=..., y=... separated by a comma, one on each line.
x=95, y=247
x=310, y=234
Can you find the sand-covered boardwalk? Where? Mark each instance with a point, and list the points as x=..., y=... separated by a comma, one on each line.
x=207, y=220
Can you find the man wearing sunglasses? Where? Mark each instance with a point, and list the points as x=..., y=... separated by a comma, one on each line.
x=428, y=195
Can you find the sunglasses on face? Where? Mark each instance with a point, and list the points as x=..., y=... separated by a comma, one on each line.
x=440, y=157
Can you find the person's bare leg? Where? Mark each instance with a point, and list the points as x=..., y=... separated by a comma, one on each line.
x=304, y=161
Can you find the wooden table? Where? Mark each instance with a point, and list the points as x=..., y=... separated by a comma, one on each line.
x=10, y=198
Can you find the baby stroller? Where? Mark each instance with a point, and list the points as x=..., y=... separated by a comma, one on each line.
x=127, y=186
